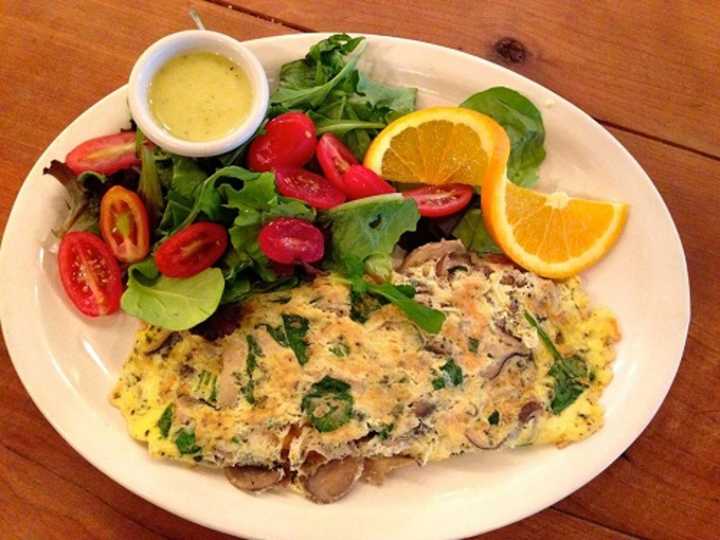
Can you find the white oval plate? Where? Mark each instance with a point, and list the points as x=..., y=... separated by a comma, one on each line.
x=69, y=364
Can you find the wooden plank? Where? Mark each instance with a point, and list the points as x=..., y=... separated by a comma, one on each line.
x=668, y=488
x=648, y=65
x=58, y=61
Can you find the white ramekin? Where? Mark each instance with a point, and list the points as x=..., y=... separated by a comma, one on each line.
x=170, y=46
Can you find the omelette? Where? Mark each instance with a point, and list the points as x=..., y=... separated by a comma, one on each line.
x=316, y=388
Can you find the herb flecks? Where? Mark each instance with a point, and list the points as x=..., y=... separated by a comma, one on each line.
x=185, y=442
x=165, y=421
x=452, y=375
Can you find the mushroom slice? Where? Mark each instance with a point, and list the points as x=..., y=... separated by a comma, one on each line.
x=154, y=338
x=234, y=357
x=376, y=468
x=481, y=439
x=432, y=252
x=333, y=480
x=253, y=478
x=530, y=411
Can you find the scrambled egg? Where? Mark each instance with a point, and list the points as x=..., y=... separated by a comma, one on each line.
x=317, y=384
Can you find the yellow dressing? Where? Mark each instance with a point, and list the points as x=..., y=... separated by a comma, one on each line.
x=200, y=96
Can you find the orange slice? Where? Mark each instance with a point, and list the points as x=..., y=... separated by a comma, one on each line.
x=553, y=235
x=440, y=145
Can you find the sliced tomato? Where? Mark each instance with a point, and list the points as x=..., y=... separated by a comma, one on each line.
x=90, y=274
x=312, y=188
x=442, y=200
x=291, y=240
x=359, y=182
x=335, y=159
x=105, y=155
x=289, y=140
x=191, y=250
x=124, y=224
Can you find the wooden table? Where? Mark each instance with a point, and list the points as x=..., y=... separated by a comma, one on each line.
x=647, y=70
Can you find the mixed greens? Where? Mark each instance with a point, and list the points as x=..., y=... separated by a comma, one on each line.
x=181, y=194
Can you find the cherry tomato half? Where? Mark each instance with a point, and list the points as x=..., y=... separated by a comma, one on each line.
x=442, y=200
x=124, y=224
x=359, y=182
x=191, y=250
x=335, y=159
x=289, y=141
x=105, y=155
x=312, y=188
x=291, y=240
x=90, y=274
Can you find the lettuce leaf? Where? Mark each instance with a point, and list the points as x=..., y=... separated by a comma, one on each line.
x=364, y=232
x=172, y=303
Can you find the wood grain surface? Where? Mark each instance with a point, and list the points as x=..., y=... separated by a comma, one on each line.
x=647, y=69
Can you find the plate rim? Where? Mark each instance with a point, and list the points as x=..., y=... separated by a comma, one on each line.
x=197, y=517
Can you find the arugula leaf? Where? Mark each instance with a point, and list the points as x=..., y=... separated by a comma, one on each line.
x=570, y=372
x=256, y=203
x=524, y=125
x=430, y=320
x=185, y=442
x=473, y=234
x=149, y=189
x=340, y=100
x=165, y=421
x=370, y=227
x=328, y=405
x=172, y=303
x=187, y=175
x=206, y=196
x=177, y=209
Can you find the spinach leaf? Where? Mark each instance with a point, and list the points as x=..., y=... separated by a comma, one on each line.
x=368, y=228
x=452, y=375
x=165, y=421
x=328, y=405
x=291, y=333
x=524, y=125
x=185, y=442
x=254, y=352
x=296, y=327
x=172, y=303
x=494, y=418
x=473, y=234
x=570, y=372
x=473, y=344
